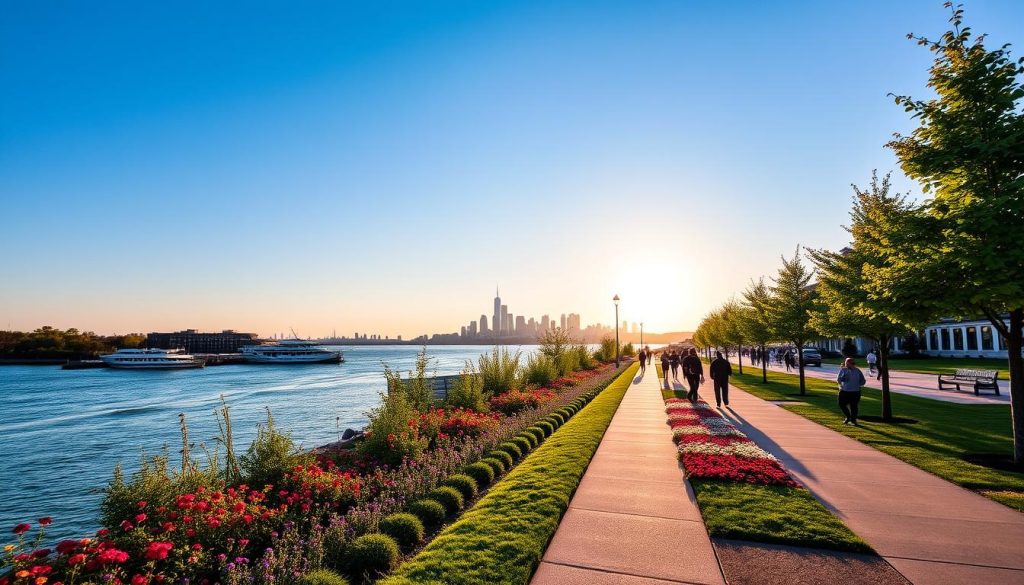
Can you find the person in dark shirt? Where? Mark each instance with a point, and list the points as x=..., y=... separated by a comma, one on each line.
x=720, y=370
x=664, y=367
x=643, y=362
x=673, y=360
x=693, y=369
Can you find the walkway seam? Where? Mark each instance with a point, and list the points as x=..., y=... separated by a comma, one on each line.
x=610, y=572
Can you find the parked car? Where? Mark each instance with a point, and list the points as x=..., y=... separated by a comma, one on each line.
x=811, y=357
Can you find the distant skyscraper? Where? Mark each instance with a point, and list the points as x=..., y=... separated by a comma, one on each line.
x=563, y=321
x=503, y=315
x=483, y=324
x=462, y=331
x=520, y=325
x=573, y=322
x=545, y=322
x=496, y=323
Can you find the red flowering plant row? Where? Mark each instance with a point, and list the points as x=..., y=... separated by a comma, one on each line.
x=711, y=447
x=514, y=401
x=440, y=424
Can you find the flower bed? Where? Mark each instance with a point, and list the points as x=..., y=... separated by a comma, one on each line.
x=711, y=447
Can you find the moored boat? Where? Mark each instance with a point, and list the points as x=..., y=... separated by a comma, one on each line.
x=291, y=351
x=152, y=359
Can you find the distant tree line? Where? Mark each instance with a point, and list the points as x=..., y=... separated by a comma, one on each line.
x=50, y=343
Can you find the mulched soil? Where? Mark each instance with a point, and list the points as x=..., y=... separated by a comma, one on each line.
x=754, y=563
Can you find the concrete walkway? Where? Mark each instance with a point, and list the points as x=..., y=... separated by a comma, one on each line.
x=634, y=519
x=930, y=530
x=915, y=384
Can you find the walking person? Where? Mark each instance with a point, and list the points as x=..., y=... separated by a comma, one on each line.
x=664, y=367
x=872, y=360
x=788, y=358
x=647, y=348
x=720, y=370
x=851, y=380
x=673, y=360
x=693, y=370
x=643, y=362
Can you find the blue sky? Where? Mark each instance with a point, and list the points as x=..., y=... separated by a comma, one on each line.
x=380, y=166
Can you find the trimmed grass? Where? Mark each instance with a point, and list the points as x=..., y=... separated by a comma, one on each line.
x=943, y=434
x=502, y=539
x=776, y=514
x=937, y=365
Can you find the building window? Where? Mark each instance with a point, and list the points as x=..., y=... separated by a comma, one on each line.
x=972, y=338
x=933, y=339
x=958, y=338
x=986, y=338
x=945, y=338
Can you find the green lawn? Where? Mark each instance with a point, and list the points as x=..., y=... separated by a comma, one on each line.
x=943, y=434
x=502, y=538
x=938, y=365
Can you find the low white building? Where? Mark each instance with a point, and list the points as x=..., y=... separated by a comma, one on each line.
x=947, y=338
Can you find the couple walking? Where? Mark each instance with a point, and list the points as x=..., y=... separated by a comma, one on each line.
x=693, y=372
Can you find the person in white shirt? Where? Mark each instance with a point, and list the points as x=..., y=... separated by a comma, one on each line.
x=872, y=361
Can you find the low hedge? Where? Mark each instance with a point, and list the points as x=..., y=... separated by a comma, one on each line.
x=451, y=498
x=371, y=555
x=514, y=451
x=498, y=464
x=537, y=432
x=466, y=485
x=545, y=426
x=502, y=539
x=430, y=512
x=322, y=577
x=481, y=472
x=525, y=444
x=406, y=529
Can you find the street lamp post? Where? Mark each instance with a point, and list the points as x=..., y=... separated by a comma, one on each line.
x=616, y=299
x=641, y=334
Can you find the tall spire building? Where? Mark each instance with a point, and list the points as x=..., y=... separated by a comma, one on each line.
x=496, y=324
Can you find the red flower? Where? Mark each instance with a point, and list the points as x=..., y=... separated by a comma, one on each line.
x=45, y=521
x=22, y=528
x=76, y=559
x=66, y=546
x=157, y=551
x=112, y=555
x=142, y=505
x=140, y=518
x=139, y=580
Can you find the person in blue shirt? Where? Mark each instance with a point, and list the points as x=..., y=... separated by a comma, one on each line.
x=851, y=380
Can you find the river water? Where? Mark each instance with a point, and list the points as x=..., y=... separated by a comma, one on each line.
x=62, y=431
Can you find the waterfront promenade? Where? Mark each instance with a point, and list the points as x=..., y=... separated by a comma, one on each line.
x=633, y=514
x=634, y=519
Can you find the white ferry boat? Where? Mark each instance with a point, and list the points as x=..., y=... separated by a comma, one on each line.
x=152, y=359
x=290, y=351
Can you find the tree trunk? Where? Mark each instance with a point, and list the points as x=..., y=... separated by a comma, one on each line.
x=883, y=364
x=800, y=365
x=764, y=366
x=739, y=352
x=1016, y=363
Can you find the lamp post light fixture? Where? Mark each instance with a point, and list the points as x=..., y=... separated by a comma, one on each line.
x=616, y=300
x=641, y=334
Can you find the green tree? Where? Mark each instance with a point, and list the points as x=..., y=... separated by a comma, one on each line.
x=731, y=317
x=792, y=301
x=849, y=309
x=968, y=153
x=755, y=320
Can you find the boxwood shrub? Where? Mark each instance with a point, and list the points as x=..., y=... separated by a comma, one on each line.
x=481, y=472
x=525, y=445
x=406, y=529
x=537, y=432
x=496, y=465
x=506, y=459
x=430, y=512
x=466, y=485
x=449, y=497
x=322, y=577
x=546, y=426
x=371, y=555
x=511, y=449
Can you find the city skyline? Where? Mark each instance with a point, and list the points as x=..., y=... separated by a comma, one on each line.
x=366, y=168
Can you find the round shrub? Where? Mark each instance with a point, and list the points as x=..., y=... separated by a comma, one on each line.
x=430, y=512
x=496, y=464
x=466, y=485
x=525, y=445
x=322, y=577
x=567, y=413
x=529, y=439
x=538, y=432
x=556, y=419
x=449, y=497
x=546, y=427
x=505, y=458
x=481, y=473
x=371, y=555
x=511, y=449
x=406, y=529
x=579, y=403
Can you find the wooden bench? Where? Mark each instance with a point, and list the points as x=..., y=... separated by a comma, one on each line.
x=981, y=379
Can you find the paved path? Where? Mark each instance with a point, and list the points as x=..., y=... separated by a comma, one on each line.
x=634, y=519
x=930, y=530
x=923, y=385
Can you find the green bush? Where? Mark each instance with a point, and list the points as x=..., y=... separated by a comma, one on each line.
x=540, y=432
x=322, y=577
x=371, y=556
x=499, y=370
x=391, y=419
x=540, y=370
x=568, y=362
x=430, y=512
x=607, y=351
x=406, y=529
x=466, y=485
x=628, y=350
x=503, y=458
x=525, y=444
x=482, y=473
x=496, y=465
x=556, y=419
x=546, y=426
x=418, y=390
x=336, y=540
x=514, y=451
x=451, y=498
x=468, y=391
x=586, y=361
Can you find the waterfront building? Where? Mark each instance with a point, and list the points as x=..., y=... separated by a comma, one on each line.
x=521, y=325
x=504, y=320
x=573, y=322
x=496, y=323
x=192, y=341
x=563, y=321
x=545, y=323
x=483, y=324
x=946, y=338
